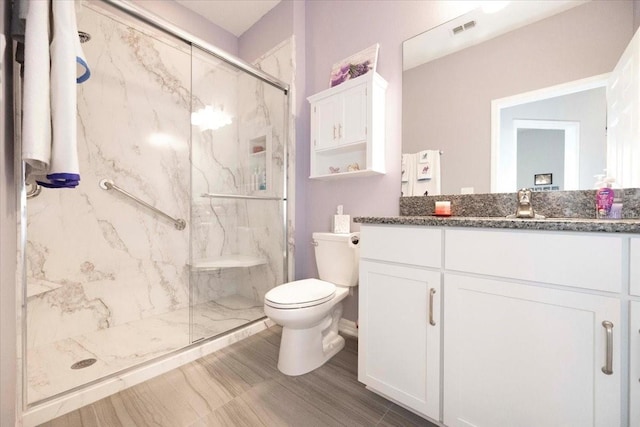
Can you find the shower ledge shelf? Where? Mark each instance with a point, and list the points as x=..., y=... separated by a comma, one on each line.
x=228, y=261
x=37, y=287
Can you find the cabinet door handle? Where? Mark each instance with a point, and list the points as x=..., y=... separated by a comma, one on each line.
x=334, y=132
x=608, y=366
x=432, y=292
x=340, y=130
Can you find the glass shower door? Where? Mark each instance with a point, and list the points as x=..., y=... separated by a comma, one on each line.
x=106, y=277
x=238, y=201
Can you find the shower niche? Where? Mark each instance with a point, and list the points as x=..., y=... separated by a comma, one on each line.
x=260, y=162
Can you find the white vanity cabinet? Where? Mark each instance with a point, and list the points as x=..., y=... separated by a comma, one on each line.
x=518, y=350
x=634, y=364
x=347, y=128
x=399, y=310
x=528, y=325
x=522, y=355
x=634, y=267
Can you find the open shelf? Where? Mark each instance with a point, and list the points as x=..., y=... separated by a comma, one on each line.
x=353, y=174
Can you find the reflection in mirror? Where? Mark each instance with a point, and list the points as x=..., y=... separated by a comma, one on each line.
x=447, y=101
x=577, y=109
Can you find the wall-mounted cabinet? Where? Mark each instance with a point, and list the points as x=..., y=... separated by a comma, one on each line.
x=348, y=129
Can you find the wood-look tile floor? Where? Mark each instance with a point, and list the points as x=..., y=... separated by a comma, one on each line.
x=241, y=386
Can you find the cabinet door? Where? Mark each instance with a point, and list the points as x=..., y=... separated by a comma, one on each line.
x=634, y=264
x=353, y=124
x=521, y=355
x=634, y=370
x=326, y=113
x=399, y=337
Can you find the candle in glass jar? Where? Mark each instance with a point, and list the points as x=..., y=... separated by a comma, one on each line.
x=443, y=208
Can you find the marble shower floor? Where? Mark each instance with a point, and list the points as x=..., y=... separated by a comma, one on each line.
x=49, y=367
x=241, y=386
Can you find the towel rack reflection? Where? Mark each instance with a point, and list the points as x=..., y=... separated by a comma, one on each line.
x=107, y=184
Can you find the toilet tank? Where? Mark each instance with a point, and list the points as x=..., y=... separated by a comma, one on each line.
x=337, y=257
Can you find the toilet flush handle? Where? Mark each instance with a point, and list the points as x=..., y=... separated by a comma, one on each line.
x=354, y=239
x=314, y=243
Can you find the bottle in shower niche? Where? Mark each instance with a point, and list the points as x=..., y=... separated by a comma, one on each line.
x=262, y=180
x=254, y=181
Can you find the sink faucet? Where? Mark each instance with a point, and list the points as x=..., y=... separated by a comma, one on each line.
x=524, y=208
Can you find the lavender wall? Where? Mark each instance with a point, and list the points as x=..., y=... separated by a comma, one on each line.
x=335, y=30
x=300, y=107
x=275, y=26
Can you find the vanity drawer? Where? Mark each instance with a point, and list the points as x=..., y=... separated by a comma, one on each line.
x=587, y=261
x=634, y=261
x=404, y=244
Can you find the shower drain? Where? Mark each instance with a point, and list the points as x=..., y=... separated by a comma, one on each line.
x=83, y=364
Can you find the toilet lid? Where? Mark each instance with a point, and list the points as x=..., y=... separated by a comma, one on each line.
x=301, y=293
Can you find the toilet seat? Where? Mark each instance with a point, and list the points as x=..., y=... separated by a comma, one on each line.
x=300, y=294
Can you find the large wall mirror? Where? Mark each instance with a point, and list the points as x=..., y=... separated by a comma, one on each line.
x=543, y=73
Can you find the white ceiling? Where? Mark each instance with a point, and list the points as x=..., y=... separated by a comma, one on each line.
x=235, y=16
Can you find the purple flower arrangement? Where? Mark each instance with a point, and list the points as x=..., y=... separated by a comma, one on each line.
x=349, y=71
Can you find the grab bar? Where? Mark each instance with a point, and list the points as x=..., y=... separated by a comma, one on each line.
x=107, y=184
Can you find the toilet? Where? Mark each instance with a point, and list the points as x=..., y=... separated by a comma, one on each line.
x=309, y=310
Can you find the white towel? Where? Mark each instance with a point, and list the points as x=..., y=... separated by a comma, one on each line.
x=408, y=174
x=423, y=164
x=36, y=110
x=430, y=186
x=51, y=146
x=404, y=176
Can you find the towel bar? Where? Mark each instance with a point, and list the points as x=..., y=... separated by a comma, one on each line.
x=240, y=196
x=107, y=184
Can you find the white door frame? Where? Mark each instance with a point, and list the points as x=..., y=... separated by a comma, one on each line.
x=537, y=95
x=571, y=147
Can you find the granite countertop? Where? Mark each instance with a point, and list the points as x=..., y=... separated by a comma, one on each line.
x=549, y=224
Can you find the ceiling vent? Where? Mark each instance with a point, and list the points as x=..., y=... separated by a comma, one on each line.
x=464, y=27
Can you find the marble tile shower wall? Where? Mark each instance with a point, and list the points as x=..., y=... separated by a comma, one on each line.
x=223, y=164
x=94, y=258
x=265, y=108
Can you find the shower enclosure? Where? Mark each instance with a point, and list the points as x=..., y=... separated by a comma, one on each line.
x=178, y=227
